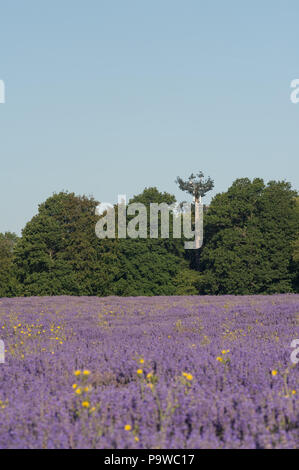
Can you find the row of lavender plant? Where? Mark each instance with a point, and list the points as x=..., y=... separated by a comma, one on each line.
x=164, y=372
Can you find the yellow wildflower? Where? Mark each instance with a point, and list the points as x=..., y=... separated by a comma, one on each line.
x=85, y=404
x=78, y=391
x=220, y=359
x=128, y=427
x=74, y=386
x=86, y=372
x=274, y=372
x=139, y=371
x=77, y=372
x=187, y=375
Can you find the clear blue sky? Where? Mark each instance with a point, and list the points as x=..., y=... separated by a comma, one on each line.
x=109, y=96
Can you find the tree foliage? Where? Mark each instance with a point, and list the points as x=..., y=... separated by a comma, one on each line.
x=249, y=231
x=8, y=283
x=251, y=246
x=145, y=266
x=295, y=264
x=57, y=253
x=196, y=185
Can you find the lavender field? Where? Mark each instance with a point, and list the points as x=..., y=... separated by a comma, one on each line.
x=161, y=372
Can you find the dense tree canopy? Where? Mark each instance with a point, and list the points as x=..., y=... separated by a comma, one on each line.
x=295, y=264
x=249, y=231
x=57, y=253
x=8, y=285
x=144, y=266
x=251, y=246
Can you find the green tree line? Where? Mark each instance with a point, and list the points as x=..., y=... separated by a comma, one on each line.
x=251, y=246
